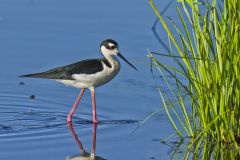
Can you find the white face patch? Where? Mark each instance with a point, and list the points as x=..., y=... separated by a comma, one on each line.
x=111, y=44
x=107, y=52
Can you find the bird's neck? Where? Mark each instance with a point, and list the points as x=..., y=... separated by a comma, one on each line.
x=113, y=61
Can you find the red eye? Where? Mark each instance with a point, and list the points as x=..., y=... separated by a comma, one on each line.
x=111, y=47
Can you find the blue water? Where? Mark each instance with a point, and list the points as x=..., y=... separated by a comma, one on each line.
x=36, y=35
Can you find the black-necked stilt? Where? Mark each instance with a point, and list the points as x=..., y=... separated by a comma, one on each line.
x=89, y=73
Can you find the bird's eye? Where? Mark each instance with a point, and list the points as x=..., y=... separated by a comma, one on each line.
x=110, y=47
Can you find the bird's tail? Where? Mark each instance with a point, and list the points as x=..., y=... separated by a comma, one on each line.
x=35, y=75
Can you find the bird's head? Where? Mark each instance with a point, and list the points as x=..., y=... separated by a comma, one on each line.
x=110, y=48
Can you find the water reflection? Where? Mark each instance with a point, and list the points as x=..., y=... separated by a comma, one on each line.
x=186, y=148
x=84, y=154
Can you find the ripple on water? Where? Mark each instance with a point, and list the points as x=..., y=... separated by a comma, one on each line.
x=22, y=118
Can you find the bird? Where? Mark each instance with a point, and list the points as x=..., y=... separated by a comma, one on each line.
x=88, y=74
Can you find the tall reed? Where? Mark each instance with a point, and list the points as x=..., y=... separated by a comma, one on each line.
x=207, y=55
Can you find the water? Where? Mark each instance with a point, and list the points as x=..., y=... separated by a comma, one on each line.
x=36, y=35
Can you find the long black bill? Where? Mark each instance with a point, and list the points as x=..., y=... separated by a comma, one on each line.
x=121, y=56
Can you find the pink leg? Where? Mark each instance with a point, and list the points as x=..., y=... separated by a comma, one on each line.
x=94, y=106
x=69, y=118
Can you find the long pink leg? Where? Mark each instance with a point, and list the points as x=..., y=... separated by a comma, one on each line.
x=69, y=118
x=94, y=106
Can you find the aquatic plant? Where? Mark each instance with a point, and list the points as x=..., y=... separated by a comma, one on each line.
x=205, y=55
x=179, y=149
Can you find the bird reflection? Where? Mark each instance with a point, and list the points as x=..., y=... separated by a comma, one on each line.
x=85, y=155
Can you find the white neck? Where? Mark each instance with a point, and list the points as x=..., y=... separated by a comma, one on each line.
x=113, y=61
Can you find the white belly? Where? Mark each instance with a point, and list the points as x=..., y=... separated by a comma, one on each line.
x=92, y=80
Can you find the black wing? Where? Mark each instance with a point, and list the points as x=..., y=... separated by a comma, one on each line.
x=89, y=66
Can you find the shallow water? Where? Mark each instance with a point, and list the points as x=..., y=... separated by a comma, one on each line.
x=38, y=35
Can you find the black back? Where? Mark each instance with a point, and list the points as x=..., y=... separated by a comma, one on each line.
x=89, y=66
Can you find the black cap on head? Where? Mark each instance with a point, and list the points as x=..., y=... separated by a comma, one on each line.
x=106, y=43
